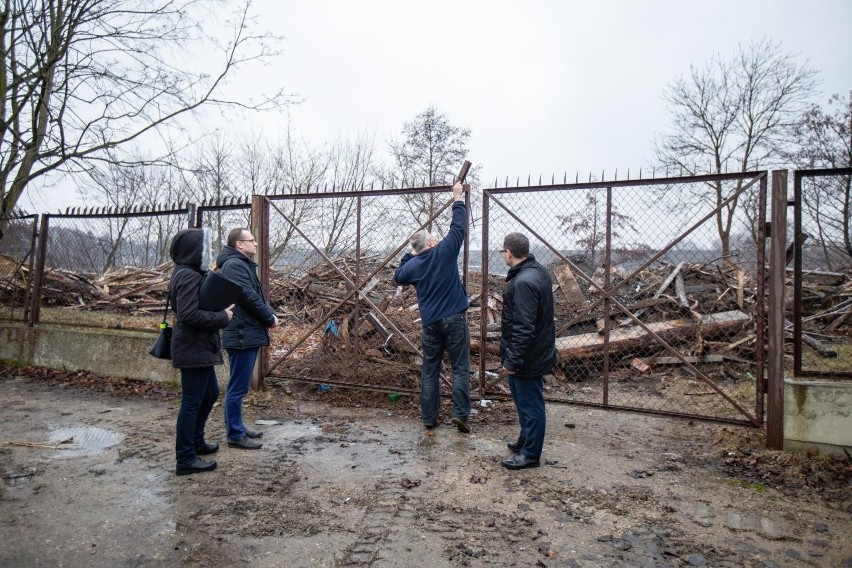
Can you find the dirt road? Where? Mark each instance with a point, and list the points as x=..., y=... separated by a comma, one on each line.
x=366, y=486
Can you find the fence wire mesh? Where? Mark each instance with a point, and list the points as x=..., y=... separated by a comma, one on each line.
x=17, y=254
x=332, y=260
x=651, y=312
x=821, y=308
x=108, y=270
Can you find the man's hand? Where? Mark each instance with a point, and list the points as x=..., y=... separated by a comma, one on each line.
x=458, y=190
x=230, y=311
x=277, y=322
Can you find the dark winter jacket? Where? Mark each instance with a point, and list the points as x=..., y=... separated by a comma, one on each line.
x=195, y=340
x=435, y=273
x=252, y=314
x=528, y=341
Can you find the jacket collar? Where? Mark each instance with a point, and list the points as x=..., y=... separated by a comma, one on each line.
x=517, y=268
x=229, y=253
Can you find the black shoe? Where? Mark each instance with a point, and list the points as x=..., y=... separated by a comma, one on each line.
x=515, y=446
x=430, y=425
x=207, y=448
x=198, y=466
x=245, y=443
x=253, y=433
x=520, y=461
x=462, y=425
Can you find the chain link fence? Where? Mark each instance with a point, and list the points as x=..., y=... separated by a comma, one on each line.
x=332, y=258
x=659, y=283
x=821, y=309
x=107, y=268
x=17, y=254
x=652, y=313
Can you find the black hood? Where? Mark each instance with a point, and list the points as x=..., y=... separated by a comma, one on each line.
x=191, y=247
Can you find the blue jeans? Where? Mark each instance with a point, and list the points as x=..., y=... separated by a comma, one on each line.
x=528, y=394
x=242, y=364
x=450, y=333
x=199, y=390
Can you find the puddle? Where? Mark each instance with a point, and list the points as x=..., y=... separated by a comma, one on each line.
x=87, y=440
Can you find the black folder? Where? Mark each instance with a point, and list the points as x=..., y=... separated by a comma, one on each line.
x=217, y=292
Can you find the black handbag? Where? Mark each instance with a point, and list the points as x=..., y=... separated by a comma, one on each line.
x=162, y=348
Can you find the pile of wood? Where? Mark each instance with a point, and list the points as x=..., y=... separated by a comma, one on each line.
x=706, y=310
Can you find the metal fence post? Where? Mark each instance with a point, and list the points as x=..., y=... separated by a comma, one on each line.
x=775, y=335
x=260, y=230
x=38, y=278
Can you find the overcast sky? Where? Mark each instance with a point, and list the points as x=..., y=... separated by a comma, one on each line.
x=545, y=86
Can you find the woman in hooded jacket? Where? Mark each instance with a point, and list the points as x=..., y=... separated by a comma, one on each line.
x=196, y=349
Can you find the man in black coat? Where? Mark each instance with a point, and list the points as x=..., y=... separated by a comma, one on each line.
x=196, y=349
x=527, y=346
x=246, y=333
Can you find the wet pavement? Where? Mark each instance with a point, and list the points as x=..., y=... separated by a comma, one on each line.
x=88, y=480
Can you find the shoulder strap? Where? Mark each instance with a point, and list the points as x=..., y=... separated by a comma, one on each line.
x=169, y=298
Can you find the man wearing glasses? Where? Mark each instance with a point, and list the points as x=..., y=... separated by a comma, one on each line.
x=245, y=334
x=527, y=345
x=432, y=267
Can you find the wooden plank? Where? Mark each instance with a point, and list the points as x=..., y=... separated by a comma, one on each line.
x=572, y=296
x=591, y=344
x=378, y=326
x=680, y=290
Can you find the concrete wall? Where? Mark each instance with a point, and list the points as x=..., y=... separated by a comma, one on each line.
x=818, y=414
x=112, y=353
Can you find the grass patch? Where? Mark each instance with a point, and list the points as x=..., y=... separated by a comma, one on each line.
x=759, y=487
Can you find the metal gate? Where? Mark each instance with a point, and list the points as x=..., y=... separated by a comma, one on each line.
x=651, y=314
x=635, y=262
x=822, y=269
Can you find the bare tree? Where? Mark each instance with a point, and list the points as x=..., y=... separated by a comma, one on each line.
x=211, y=177
x=588, y=226
x=299, y=169
x=824, y=140
x=733, y=115
x=429, y=153
x=82, y=77
x=129, y=239
x=350, y=162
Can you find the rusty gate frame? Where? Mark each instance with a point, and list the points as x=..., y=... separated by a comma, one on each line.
x=756, y=419
x=798, y=242
x=262, y=205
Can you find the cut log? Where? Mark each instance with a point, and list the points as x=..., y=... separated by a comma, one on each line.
x=818, y=346
x=634, y=337
x=820, y=276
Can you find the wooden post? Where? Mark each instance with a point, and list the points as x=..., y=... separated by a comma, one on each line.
x=775, y=327
x=260, y=230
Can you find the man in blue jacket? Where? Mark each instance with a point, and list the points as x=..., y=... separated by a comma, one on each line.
x=432, y=267
x=246, y=333
x=527, y=345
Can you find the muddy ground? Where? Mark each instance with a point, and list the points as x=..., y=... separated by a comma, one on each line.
x=351, y=479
